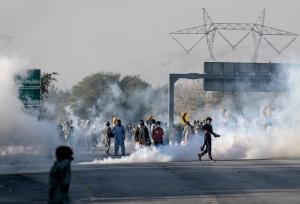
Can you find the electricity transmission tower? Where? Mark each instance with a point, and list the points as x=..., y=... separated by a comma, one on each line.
x=258, y=30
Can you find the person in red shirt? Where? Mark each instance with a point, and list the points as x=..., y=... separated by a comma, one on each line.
x=157, y=135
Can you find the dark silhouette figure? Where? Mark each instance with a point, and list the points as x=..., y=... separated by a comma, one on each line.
x=60, y=176
x=208, y=131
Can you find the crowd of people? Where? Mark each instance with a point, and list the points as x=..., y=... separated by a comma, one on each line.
x=144, y=133
x=82, y=134
x=152, y=133
x=141, y=135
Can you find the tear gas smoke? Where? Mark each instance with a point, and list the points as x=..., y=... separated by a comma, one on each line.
x=20, y=132
x=253, y=126
x=153, y=154
x=246, y=130
x=128, y=102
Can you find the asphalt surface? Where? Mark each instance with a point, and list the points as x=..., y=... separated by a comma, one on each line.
x=239, y=181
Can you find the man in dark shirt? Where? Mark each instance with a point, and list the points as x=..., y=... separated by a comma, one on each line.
x=208, y=131
x=142, y=135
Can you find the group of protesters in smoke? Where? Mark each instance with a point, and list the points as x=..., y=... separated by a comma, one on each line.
x=140, y=134
x=89, y=138
x=145, y=133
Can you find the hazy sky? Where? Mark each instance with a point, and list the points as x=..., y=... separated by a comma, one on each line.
x=79, y=37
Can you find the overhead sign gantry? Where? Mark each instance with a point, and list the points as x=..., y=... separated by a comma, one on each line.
x=235, y=77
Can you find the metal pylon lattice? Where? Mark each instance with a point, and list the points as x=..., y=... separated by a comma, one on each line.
x=210, y=36
x=210, y=29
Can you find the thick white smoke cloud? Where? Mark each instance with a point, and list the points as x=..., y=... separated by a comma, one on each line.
x=153, y=154
x=243, y=135
x=249, y=139
x=20, y=132
x=243, y=129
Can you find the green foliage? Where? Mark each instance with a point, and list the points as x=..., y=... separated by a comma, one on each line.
x=128, y=84
x=109, y=94
x=93, y=87
x=47, y=80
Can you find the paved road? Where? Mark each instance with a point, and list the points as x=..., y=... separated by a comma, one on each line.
x=239, y=181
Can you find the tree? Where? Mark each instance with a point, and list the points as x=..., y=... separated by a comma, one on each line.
x=47, y=80
x=132, y=83
x=109, y=94
x=190, y=97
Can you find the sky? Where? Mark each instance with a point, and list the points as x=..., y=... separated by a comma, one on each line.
x=76, y=38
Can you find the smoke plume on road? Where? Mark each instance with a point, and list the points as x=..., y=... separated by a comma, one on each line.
x=252, y=125
x=20, y=132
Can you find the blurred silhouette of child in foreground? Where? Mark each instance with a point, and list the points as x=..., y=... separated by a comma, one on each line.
x=60, y=176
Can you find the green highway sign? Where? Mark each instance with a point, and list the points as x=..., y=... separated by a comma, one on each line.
x=30, y=96
x=32, y=78
x=30, y=87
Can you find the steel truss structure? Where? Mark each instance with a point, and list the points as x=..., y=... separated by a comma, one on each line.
x=258, y=30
